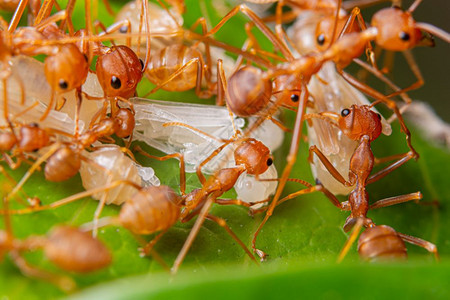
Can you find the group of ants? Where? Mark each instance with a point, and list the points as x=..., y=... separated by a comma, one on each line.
x=262, y=84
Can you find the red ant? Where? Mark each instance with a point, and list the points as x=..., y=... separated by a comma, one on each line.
x=361, y=124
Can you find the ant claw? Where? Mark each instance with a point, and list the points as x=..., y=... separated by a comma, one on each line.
x=34, y=202
x=261, y=254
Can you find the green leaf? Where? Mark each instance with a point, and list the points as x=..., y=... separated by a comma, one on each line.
x=302, y=238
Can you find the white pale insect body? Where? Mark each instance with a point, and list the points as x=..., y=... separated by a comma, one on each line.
x=196, y=147
x=120, y=167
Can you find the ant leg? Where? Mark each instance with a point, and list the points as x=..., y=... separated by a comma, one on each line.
x=44, y=12
x=61, y=15
x=349, y=4
x=380, y=97
x=147, y=249
x=222, y=90
x=416, y=71
x=397, y=200
x=153, y=253
x=221, y=222
x=70, y=198
x=333, y=171
x=63, y=282
x=33, y=201
x=383, y=78
x=115, y=27
x=30, y=171
x=295, y=142
x=430, y=247
x=69, y=9
x=351, y=239
x=260, y=24
x=202, y=22
x=200, y=175
x=108, y=8
x=240, y=202
x=166, y=157
x=195, y=60
x=17, y=15
x=193, y=234
x=402, y=160
x=356, y=14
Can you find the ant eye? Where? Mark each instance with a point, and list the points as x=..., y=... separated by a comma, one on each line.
x=321, y=39
x=123, y=29
x=404, y=36
x=379, y=116
x=294, y=98
x=345, y=112
x=115, y=83
x=142, y=63
x=269, y=162
x=33, y=124
x=63, y=84
x=85, y=57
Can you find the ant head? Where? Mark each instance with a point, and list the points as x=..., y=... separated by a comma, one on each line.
x=396, y=29
x=359, y=121
x=254, y=155
x=119, y=71
x=67, y=69
x=324, y=31
x=286, y=89
x=125, y=119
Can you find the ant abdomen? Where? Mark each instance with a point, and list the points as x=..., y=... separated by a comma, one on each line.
x=7, y=140
x=381, y=243
x=74, y=250
x=119, y=71
x=151, y=209
x=167, y=61
x=249, y=92
x=62, y=165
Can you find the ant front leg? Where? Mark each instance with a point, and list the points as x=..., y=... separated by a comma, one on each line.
x=291, y=158
x=328, y=165
x=221, y=222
